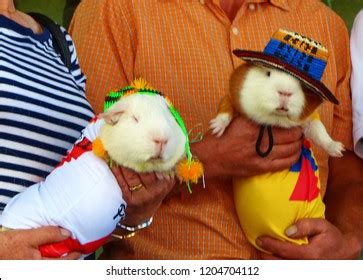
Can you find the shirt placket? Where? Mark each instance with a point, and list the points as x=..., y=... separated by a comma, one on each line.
x=234, y=28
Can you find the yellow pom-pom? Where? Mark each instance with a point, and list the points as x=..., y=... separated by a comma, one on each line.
x=141, y=83
x=189, y=171
x=98, y=148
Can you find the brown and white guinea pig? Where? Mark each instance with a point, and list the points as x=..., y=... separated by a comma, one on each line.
x=267, y=204
x=140, y=133
x=273, y=97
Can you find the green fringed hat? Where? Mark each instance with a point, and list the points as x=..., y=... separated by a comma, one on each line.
x=188, y=170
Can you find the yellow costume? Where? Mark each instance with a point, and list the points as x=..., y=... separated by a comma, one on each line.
x=268, y=204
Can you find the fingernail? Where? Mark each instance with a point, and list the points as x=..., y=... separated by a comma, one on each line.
x=291, y=230
x=259, y=242
x=65, y=232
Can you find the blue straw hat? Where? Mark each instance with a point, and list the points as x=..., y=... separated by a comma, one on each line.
x=297, y=55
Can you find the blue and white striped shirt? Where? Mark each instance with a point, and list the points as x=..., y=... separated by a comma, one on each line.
x=43, y=106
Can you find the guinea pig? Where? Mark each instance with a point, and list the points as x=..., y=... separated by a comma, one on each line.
x=268, y=204
x=81, y=194
x=269, y=96
x=141, y=134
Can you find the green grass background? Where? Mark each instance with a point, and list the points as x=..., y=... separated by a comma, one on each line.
x=59, y=10
x=347, y=9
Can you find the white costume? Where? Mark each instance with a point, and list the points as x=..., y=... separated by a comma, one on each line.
x=80, y=195
x=356, y=46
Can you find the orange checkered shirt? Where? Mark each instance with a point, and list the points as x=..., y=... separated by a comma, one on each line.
x=184, y=48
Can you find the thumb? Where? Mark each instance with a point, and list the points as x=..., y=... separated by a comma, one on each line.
x=46, y=235
x=306, y=227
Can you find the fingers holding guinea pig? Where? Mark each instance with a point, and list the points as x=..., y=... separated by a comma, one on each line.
x=132, y=179
x=282, y=151
x=285, y=136
x=124, y=182
x=281, y=163
x=286, y=148
x=282, y=156
x=143, y=193
x=131, y=182
x=157, y=185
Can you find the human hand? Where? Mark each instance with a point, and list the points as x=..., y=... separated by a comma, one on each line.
x=234, y=153
x=24, y=244
x=142, y=202
x=325, y=242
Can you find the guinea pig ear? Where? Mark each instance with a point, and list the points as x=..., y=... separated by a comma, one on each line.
x=312, y=102
x=113, y=115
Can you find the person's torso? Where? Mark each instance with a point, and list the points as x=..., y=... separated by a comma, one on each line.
x=43, y=107
x=184, y=48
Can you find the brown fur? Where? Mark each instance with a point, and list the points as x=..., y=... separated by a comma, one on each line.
x=313, y=101
x=225, y=106
x=230, y=104
x=235, y=83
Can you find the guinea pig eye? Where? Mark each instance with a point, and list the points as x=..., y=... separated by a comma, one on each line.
x=268, y=73
x=135, y=118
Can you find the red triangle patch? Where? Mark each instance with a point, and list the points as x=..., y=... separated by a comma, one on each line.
x=306, y=188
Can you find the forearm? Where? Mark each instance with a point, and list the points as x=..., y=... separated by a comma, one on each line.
x=344, y=196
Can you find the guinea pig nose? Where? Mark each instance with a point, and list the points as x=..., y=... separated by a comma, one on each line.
x=160, y=141
x=285, y=93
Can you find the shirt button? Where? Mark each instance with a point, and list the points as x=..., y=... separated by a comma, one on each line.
x=202, y=2
x=235, y=31
x=252, y=7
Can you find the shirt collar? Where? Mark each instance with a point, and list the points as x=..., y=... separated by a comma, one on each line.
x=283, y=4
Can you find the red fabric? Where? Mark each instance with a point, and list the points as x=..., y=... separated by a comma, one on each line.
x=78, y=149
x=306, y=188
x=94, y=119
x=56, y=250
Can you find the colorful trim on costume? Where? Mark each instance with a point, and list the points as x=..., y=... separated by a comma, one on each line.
x=306, y=188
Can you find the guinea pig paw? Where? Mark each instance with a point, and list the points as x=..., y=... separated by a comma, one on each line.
x=335, y=149
x=219, y=124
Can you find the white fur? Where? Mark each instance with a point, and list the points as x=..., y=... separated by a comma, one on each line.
x=260, y=99
x=220, y=123
x=316, y=131
x=131, y=127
